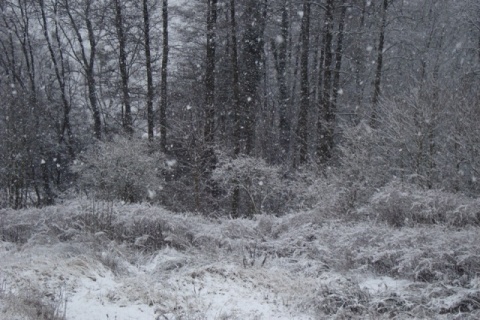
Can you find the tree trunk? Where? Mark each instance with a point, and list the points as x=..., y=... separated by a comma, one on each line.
x=280, y=56
x=88, y=63
x=236, y=101
x=235, y=80
x=326, y=125
x=210, y=73
x=378, y=72
x=148, y=62
x=252, y=54
x=163, y=88
x=122, y=61
x=338, y=56
x=302, y=128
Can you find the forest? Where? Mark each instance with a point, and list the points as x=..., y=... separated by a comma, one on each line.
x=155, y=95
x=151, y=122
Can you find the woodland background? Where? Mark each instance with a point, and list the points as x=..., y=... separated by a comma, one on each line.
x=238, y=107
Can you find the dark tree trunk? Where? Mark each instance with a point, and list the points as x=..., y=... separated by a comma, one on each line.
x=280, y=56
x=236, y=101
x=163, y=88
x=122, y=61
x=210, y=73
x=148, y=62
x=58, y=65
x=338, y=56
x=378, y=72
x=326, y=123
x=88, y=63
x=304, y=85
x=252, y=55
x=235, y=79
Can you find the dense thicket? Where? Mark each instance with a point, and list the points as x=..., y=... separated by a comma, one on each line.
x=363, y=91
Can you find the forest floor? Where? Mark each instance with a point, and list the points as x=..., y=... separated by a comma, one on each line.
x=81, y=260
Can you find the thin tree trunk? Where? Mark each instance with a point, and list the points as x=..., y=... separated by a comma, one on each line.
x=281, y=66
x=236, y=102
x=164, y=87
x=338, y=56
x=360, y=59
x=210, y=73
x=302, y=128
x=88, y=64
x=235, y=79
x=378, y=72
x=148, y=61
x=326, y=127
x=122, y=61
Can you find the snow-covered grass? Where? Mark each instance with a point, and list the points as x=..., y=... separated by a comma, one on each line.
x=86, y=260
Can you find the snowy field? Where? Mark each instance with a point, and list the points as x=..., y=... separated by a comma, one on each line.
x=84, y=260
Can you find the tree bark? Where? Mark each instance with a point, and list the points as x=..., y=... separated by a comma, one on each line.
x=88, y=63
x=122, y=61
x=148, y=62
x=58, y=65
x=338, y=56
x=280, y=56
x=252, y=57
x=210, y=73
x=304, y=85
x=164, y=87
x=326, y=125
x=235, y=79
x=236, y=101
x=378, y=72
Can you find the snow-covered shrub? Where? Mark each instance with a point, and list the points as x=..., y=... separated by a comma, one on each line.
x=33, y=304
x=121, y=169
x=401, y=204
x=106, y=224
x=262, y=188
x=363, y=167
x=271, y=189
x=260, y=183
x=339, y=298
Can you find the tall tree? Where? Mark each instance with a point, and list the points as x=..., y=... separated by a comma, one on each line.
x=338, y=55
x=236, y=100
x=164, y=71
x=210, y=73
x=87, y=55
x=378, y=72
x=326, y=121
x=280, y=52
x=252, y=50
x=304, y=84
x=122, y=62
x=148, y=65
x=58, y=61
x=235, y=79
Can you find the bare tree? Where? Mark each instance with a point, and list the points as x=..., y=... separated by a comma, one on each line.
x=304, y=85
x=87, y=55
x=164, y=84
x=148, y=66
x=58, y=61
x=326, y=121
x=280, y=52
x=210, y=73
x=127, y=121
x=378, y=72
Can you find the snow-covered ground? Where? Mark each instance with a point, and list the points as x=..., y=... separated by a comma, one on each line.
x=104, y=261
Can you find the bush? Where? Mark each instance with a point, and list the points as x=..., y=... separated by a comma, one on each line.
x=259, y=183
x=121, y=169
x=407, y=205
x=363, y=167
